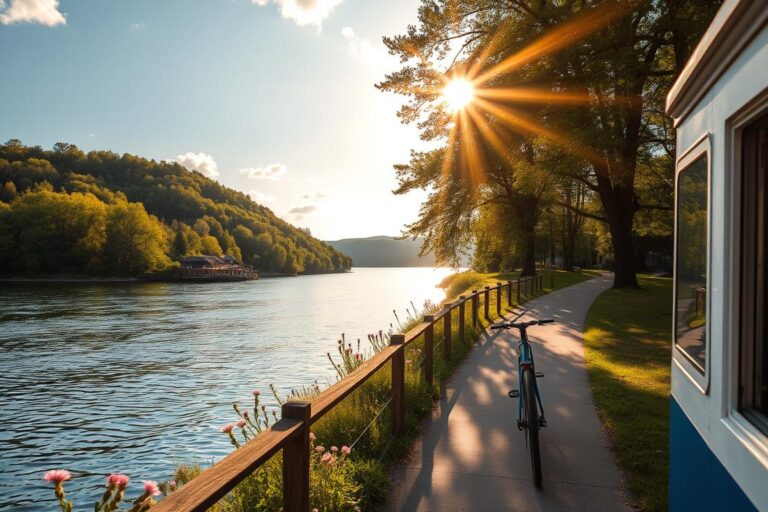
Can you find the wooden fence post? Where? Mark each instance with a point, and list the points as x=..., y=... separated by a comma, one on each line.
x=487, y=300
x=498, y=300
x=509, y=293
x=429, y=337
x=462, y=299
x=475, y=306
x=296, y=460
x=518, y=291
x=398, y=384
x=447, y=333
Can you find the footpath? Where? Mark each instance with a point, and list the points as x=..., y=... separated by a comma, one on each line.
x=471, y=457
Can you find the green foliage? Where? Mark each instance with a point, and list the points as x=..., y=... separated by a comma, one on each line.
x=156, y=211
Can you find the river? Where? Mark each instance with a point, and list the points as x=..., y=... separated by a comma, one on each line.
x=135, y=378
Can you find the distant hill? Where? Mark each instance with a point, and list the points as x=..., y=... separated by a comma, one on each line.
x=383, y=251
x=67, y=211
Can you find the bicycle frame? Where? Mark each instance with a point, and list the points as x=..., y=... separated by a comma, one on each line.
x=525, y=360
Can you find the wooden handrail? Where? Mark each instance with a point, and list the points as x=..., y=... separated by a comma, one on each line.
x=211, y=485
x=290, y=433
x=326, y=400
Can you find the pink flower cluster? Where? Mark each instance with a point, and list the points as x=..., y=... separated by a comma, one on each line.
x=151, y=488
x=57, y=476
x=117, y=480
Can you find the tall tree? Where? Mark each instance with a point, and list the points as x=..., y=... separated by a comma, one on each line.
x=589, y=77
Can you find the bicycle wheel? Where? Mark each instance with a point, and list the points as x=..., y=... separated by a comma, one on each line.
x=532, y=423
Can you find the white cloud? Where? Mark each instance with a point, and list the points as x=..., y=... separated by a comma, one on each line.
x=261, y=197
x=44, y=12
x=301, y=210
x=314, y=195
x=363, y=49
x=135, y=27
x=200, y=162
x=303, y=12
x=270, y=172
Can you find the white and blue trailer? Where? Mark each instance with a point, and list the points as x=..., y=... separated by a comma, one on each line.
x=719, y=404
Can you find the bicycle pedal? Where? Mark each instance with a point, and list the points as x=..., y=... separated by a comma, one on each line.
x=539, y=375
x=514, y=393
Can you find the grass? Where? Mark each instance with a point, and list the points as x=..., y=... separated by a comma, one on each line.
x=628, y=361
x=464, y=282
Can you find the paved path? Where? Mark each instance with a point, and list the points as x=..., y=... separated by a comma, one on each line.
x=471, y=457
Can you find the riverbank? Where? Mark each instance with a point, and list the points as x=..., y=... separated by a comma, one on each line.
x=461, y=283
x=628, y=353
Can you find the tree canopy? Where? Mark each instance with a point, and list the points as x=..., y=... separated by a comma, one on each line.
x=63, y=210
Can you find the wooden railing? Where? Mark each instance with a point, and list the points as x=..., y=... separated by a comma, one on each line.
x=291, y=433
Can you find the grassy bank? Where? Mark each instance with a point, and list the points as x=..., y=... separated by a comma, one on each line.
x=464, y=282
x=628, y=360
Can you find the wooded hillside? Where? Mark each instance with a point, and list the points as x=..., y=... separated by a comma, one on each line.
x=66, y=211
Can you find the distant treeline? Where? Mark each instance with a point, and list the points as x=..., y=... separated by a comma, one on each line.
x=66, y=211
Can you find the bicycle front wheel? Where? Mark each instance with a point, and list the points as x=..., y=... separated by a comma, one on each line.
x=532, y=423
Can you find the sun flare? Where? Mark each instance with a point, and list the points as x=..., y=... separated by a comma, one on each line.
x=458, y=93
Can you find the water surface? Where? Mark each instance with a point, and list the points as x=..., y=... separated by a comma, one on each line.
x=135, y=378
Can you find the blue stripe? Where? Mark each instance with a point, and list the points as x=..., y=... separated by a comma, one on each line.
x=697, y=479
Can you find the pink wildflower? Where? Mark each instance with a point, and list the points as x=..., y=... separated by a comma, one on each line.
x=319, y=449
x=256, y=392
x=117, y=480
x=312, y=437
x=245, y=414
x=151, y=488
x=241, y=423
x=358, y=357
x=172, y=485
x=327, y=458
x=227, y=428
x=345, y=450
x=57, y=476
x=315, y=510
x=334, y=449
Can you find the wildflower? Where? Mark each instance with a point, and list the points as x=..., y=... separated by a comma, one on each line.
x=256, y=392
x=57, y=476
x=327, y=459
x=319, y=449
x=245, y=414
x=334, y=449
x=172, y=485
x=311, y=437
x=315, y=510
x=227, y=429
x=151, y=488
x=117, y=480
x=241, y=423
x=358, y=357
x=345, y=450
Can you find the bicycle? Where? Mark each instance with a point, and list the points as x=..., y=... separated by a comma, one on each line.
x=529, y=399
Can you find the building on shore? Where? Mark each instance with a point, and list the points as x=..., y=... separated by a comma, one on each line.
x=207, y=268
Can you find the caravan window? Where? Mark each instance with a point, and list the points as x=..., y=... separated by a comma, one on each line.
x=753, y=349
x=691, y=271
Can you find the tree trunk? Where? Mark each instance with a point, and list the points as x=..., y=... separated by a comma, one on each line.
x=624, y=257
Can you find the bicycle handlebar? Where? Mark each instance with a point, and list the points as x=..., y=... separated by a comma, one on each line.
x=518, y=325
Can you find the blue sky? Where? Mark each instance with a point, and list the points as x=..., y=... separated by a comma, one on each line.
x=272, y=97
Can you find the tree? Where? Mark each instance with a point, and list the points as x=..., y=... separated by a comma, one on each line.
x=135, y=240
x=588, y=77
x=8, y=192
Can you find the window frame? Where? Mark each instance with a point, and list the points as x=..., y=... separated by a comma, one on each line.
x=702, y=147
x=746, y=337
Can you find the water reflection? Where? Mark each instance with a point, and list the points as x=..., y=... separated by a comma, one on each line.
x=135, y=378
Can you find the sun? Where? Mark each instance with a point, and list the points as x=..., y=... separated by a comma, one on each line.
x=458, y=93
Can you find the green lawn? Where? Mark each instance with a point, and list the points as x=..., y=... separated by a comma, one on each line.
x=627, y=341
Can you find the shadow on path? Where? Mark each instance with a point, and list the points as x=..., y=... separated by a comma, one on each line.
x=471, y=457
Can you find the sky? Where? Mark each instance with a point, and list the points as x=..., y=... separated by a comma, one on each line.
x=274, y=98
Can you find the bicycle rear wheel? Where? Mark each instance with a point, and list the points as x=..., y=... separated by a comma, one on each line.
x=531, y=412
